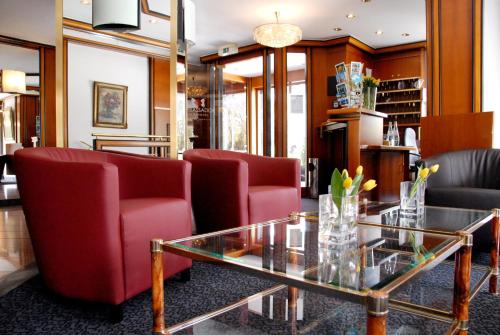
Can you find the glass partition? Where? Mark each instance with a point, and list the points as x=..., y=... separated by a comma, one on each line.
x=297, y=110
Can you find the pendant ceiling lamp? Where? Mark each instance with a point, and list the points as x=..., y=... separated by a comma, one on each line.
x=117, y=15
x=277, y=35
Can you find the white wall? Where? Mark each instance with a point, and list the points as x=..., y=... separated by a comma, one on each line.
x=491, y=63
x=87, y=64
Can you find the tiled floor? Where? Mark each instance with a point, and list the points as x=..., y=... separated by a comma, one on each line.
x=16, y=254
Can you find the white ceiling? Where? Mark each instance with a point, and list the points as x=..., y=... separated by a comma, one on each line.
x=17, y=58
x=32, y=20
x=232, y=21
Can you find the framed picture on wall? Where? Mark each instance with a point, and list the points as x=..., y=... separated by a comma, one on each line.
x=110, y=105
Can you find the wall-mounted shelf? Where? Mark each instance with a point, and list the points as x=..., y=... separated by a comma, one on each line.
x=398, y=102
x=398, y=91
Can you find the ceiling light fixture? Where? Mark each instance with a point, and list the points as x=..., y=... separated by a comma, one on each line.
x=85, y=2
x=379, y=32
x=405, y=34
x=337, y=29
x=277, y=35
x=13, y=82
x=116, y=15
x=350, y=16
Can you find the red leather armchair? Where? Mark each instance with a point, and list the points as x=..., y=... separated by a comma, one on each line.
x=233, y=189
x=91, y=216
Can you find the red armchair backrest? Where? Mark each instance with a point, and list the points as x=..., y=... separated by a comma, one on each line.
x=261, y=170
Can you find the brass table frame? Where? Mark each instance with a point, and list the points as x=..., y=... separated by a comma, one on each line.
x=377, y=302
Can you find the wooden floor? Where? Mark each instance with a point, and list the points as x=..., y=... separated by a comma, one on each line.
x=17, y=261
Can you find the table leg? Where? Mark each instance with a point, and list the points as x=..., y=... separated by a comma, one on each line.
x=377, y=308
x=461, y=292
x=157, y=287
x=495, y=226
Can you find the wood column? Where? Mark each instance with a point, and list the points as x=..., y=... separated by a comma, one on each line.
x=454, y=53
x=157, y=293
x=377, y=308
x=461, y=290
x=280, y=103
x=495, y=226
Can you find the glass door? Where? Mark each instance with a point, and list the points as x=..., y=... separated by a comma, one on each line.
x=297, y=110
x=240, y=112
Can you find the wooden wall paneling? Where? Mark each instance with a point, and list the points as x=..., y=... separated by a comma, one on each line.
x=48, y=96
x=454, y=56
x=280, y=102
x=354, y=54
x=456, y=28
x=160, y=90
x=403, y=64
x=266, y=70
x=456, y=132
x=477, y=40
x=250, y=114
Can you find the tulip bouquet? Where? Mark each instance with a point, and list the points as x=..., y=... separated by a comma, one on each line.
x=422, y=175
x=338, y=211
x=342, y=185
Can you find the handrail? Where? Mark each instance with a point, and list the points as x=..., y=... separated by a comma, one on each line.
x=129, y=135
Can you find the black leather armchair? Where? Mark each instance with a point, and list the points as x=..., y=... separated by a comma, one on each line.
x=466, y=179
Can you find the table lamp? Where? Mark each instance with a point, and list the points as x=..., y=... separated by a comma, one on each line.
x=13, y=82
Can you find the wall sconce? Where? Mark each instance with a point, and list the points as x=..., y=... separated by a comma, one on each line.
x=117, y=15
x=13, y=82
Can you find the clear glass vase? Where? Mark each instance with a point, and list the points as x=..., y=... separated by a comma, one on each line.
x=412, y=198
x=369, y=97
x=338, y=218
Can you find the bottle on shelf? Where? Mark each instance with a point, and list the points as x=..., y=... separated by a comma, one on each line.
x=390, y=134
x=396, y=133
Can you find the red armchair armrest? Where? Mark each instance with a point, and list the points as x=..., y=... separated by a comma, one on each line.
x=220, y=191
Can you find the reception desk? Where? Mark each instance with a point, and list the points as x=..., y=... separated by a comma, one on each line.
x=389, y=166
x=355, y=137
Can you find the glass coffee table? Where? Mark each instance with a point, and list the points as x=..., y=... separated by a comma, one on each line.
x=385, y=255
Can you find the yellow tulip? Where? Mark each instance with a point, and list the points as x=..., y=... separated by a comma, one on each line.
x=369, y=185
x=347, y=182
x=424, y=173
x=359, y=170
x=345, y=174
x=435, y=168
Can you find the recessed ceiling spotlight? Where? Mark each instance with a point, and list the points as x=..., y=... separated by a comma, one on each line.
x=405, y=34
x=337, y=29
x=350, y=16
x=153, y=21
x=379, y=32
x=85, y=2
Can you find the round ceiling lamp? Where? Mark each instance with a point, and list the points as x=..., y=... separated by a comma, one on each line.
x=277, y=35
x=117, y=15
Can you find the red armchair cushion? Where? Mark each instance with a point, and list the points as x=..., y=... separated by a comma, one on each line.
x=271, y=202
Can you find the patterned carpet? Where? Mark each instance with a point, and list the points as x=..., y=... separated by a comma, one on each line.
x=30, y=309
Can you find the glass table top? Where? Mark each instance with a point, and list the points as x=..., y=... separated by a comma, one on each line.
x=436, y=219
x=291, y=251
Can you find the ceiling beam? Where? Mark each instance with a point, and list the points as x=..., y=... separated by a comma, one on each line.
x=324, y=44
x=83, y=26
x=148, y=11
